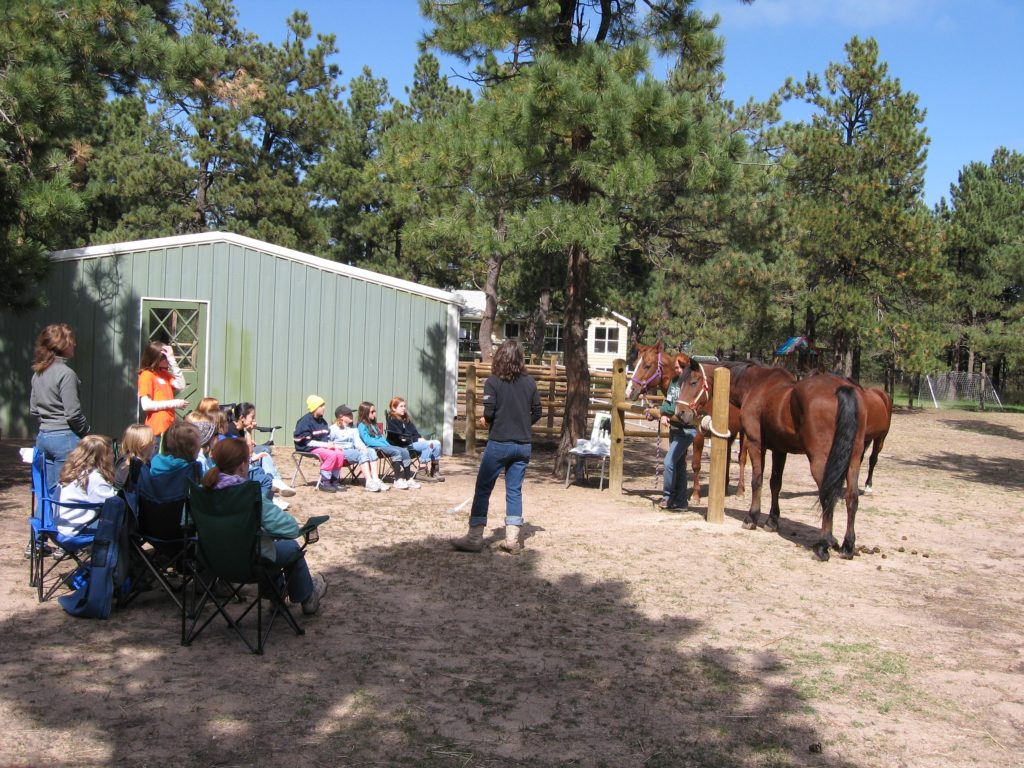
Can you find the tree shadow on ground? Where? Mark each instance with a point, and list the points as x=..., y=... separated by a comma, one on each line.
x=988, y=470
x=422, y=656
x=984, y=428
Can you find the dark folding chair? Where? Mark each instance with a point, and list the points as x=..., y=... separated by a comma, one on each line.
x=159, y=536
x=51, y=553
x=228, y=525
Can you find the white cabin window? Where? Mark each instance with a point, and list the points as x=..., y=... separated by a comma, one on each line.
x=606, y=340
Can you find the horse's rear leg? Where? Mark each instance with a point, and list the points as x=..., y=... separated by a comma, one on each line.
x=742, y=462
x=852, y=500
x=757, y=453
x=775, y=483
x=698, y=455
x=875, y=450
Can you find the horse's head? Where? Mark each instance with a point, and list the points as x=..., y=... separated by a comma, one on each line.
x=650, y=369
x=694, y=399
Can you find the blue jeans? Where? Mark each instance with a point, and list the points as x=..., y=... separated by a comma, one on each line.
x=675, y=465
x=266, y=481
x=267, y=462
x=300, y=583
x=395, y=453
x=56, y=446
x=430, y=450
x=513, y=458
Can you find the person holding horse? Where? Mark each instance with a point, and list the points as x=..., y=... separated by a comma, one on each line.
x=680, y=436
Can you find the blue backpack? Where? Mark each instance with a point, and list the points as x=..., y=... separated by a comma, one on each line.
x=94, y=585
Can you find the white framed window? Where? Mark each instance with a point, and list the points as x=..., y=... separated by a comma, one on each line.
x=553, y=338
x=512, y=331
x=606, y=340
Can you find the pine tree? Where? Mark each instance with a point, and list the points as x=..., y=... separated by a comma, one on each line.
x=867, y=246
x=985, y=251
x=571, y=131
x=59, y=64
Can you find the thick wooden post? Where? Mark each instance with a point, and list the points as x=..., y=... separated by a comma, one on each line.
x=471, y=409
x=719, y=447
x=615, y=462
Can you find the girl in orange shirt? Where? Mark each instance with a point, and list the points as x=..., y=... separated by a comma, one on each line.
x=159, y=378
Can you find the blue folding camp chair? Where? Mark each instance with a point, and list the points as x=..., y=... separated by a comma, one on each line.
x=51, y=553
x=159, y=537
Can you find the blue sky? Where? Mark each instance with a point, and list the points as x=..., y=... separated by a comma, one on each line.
x=965, y=61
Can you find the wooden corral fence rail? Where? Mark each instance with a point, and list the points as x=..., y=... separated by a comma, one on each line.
x=551, y=381
x=607, y=393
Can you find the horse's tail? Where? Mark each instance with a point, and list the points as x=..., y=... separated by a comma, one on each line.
x=841, y=452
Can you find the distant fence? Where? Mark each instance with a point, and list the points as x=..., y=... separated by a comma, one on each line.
x=551, y=381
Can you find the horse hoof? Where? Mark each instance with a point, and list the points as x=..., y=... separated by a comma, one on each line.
x=771, y=525
x=821, y=552
x=749, y=525
x=846, y=554
x=867, y=490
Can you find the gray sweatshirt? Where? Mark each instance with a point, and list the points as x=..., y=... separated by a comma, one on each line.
x=54, y=399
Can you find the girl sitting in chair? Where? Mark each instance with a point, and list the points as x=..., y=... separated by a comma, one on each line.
x=279, y=529
x=402, y=432
x=371, y=435
x=87, y=477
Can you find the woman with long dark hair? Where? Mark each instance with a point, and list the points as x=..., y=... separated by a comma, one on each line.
x=54, y=398
x=511, y=408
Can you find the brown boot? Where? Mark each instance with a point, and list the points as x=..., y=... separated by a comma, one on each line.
x=472, y=541
x=511, y=544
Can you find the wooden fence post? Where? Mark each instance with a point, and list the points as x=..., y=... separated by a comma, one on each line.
x=615, y=463
x=471, y=409
x=719, y=447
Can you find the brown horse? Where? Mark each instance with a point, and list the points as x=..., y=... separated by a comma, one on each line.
x=654, y=369
x=879, y=417
x=878, y=403
x=822, y=417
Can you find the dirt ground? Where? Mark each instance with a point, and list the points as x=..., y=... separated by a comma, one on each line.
x=623, y=636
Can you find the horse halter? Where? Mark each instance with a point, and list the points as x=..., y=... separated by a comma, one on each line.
x=647, y=382
x=704, y=394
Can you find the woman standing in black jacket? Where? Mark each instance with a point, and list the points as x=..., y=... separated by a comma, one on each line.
x=511, y=407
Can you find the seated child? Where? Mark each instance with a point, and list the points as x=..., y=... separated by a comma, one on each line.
x=87, y=477
x=313, y=435
x=231, y=467
x=372, y=437
x=137, y=445
x=346, y=437
x=402, y=431
x=242, y=424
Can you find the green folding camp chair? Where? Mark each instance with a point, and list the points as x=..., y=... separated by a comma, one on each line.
x=227, y=529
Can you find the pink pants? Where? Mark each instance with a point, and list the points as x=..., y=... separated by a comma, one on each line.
x=331, y=459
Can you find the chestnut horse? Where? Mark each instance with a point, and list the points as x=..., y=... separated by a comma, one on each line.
x=654, y=369
x=822, y=417
x=879, y=417
x=878, y=403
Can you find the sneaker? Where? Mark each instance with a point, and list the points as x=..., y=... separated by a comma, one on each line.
x=336, y=482
x=402, y=485
x=280, y=503
x=326, y=486
x=282, y=488
x=372, y=487
x=382, y=485
x=670, y=506
x=413, y=485
x=312, y=603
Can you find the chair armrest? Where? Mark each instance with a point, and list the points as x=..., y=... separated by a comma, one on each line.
x=310, y=530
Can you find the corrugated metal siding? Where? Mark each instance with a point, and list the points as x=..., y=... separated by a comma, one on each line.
x=278, y=331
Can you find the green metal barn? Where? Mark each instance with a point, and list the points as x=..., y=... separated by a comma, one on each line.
x=249, y=321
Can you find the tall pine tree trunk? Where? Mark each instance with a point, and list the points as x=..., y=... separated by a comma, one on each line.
x=539, y=318
x=577, y=372
x=494, y=263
